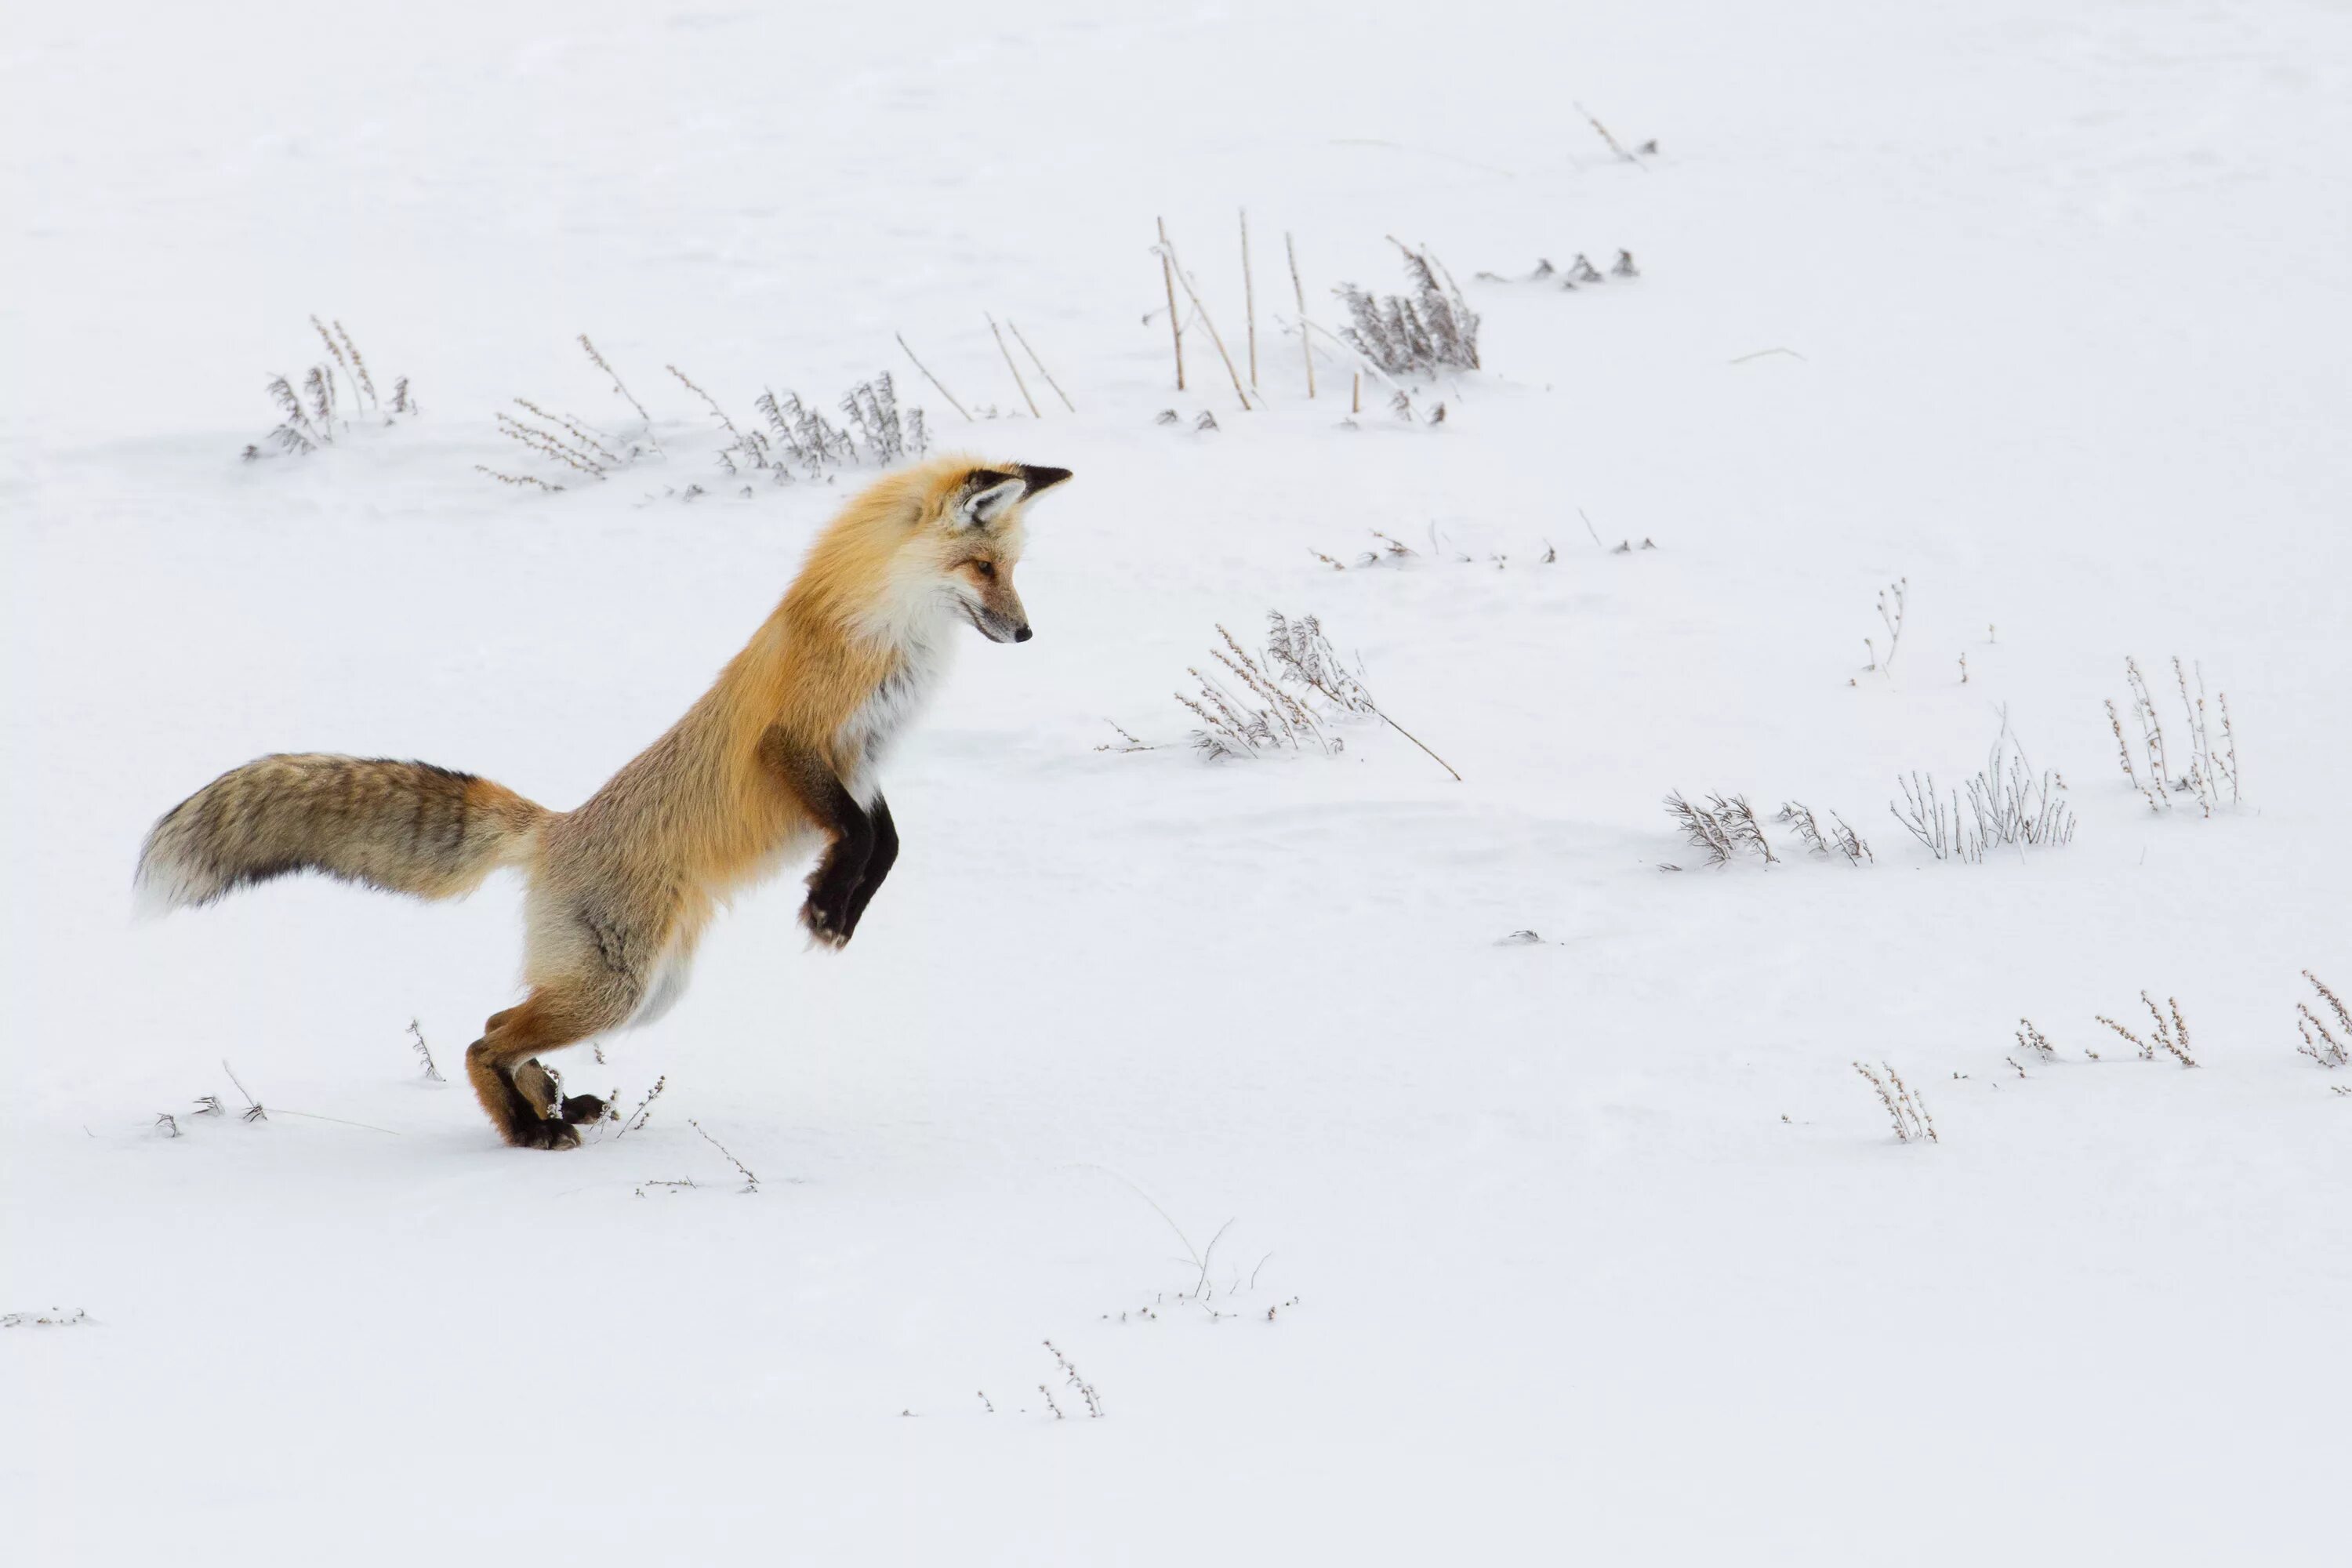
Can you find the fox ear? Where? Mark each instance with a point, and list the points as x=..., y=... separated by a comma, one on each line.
x=989, y=496
x=1041, y=478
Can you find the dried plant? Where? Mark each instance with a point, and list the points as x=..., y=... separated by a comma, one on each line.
x=1838, y=839
x=1070, y=1377
x=2212, y=767
x=1268, y=718
x=2171, y=1035
x=1276, y=706
x=1904, y=1105
x=424, y=1051
x=312, y=413
x=1724, y=829
x=55, y=1318
x=2034, y=1040
x=750, y=1179
x=643, y=1112
x=877, y=431
x=2318, y=1043
x=621, y=389
x=1890, y=615
x=1429, y=329
x=2006, y=803
x=252, y=1111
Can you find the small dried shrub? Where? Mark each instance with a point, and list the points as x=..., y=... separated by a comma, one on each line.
x=1428, y=330
x=316, y=411
x=2319, y=1042
x=2171, y=1035
x=2211, y=768
x=1904, y=1105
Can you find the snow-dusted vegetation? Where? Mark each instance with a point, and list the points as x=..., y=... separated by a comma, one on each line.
x=1336, y=1115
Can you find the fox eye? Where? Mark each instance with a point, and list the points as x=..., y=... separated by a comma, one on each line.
x=986, y=569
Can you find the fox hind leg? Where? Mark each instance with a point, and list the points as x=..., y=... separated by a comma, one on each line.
x=518, y=1093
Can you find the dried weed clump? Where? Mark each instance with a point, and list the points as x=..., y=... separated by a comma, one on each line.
x=2319, y=1042
x=1904, y=1105
x=2171, y=1035
x=1282, y=702
x=2211, y=767
x=789, y=440
x=332, y=393
x=1431, y=329
x=2005, y=803
x=1724, y=828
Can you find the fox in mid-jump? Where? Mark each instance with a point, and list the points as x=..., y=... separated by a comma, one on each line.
x=779, y=752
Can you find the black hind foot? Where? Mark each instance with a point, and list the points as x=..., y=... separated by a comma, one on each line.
x=581, y=1108
x=536, y=1134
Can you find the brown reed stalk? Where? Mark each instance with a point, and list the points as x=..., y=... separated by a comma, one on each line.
x=1175, y=323
x=1014, y=368
x=1298, y=290
x=1249, y=300
x=1176, y=267
x=934, y=380
x=1014, y=328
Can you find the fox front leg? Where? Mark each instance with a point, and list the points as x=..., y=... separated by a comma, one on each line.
x=833, y=886
x=878, y=864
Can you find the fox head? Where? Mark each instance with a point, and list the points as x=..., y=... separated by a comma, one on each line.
x=968, y=540
x=923, y=550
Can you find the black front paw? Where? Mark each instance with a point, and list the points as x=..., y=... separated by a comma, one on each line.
x=828, y=918
x=581, y=1108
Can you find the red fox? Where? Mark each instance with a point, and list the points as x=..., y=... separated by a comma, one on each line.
x=780, y=750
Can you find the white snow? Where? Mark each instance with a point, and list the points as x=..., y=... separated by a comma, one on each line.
x=1592, y=1248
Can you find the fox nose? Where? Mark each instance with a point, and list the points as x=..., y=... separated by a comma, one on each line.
x=1023, y=635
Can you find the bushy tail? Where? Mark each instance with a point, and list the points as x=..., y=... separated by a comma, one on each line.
x=407, y=828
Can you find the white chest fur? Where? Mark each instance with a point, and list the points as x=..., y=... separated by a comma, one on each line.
x=884, y=716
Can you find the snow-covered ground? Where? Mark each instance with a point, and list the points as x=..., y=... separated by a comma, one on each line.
x=1590, y=1249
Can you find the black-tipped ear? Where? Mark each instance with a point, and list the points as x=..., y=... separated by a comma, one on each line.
x=1041, y=479
x=988, y=494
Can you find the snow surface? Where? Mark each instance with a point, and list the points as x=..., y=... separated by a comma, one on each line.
x=1594, y=1248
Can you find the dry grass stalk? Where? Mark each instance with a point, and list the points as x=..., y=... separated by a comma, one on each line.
x=1014, y=368
x=1176, y=268
x=2318, y=1043
x=582, y=435
x=550, y=445
x=750, y=1179
x=2034, y=1040
x=1904, y=1105
x=644, y=1111
x=1890, y=615
x=621, y=388
x=1838, y=839
x=952, y=401
x=424, y=1051
x=716, y=412
x=1614, y=145
x=1175, y=323
x=1249, y=300
x=517, y=478
x=2171, y=1035
x=1306, y=347
x=1014, y=328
